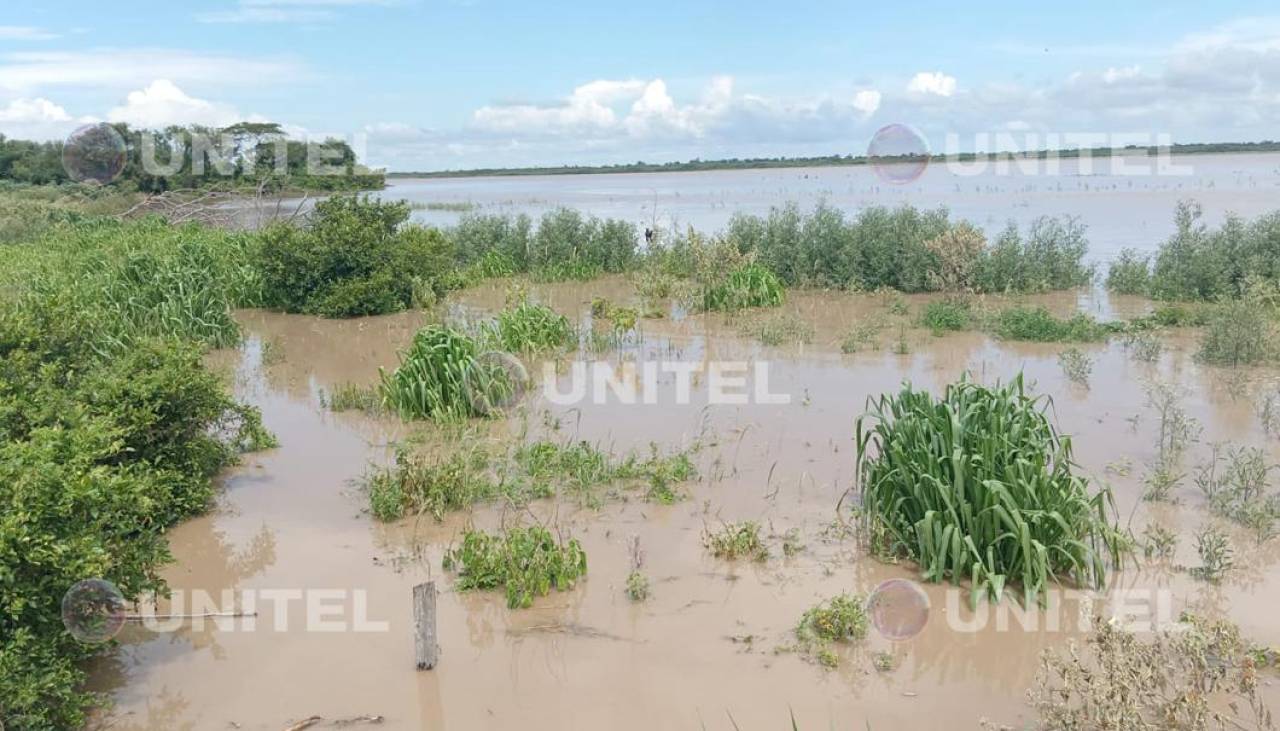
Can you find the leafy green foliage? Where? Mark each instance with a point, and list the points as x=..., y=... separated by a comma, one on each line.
x=354, y=258
x=737, y=540
x=530, y=328
x=979, y=484
x=1239, y=332
x=431, y=381
x=1039, y=325
x=943, y=315
x=526, y=562
x=843, y=617
x=1199, y=263
x=583, y=467
x=416, y=484
x=748, y=286
x=1130, y=273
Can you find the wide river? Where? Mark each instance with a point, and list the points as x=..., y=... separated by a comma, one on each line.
x=1126, y=202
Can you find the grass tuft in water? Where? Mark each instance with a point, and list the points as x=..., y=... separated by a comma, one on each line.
x=737, y=540
x=525, y=562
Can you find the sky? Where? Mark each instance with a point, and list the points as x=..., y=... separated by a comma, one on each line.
x=451, y=84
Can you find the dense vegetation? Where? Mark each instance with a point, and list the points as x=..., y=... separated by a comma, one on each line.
x=242, y=155
x=110, y=427
x=979, y=485
x=1203, y=263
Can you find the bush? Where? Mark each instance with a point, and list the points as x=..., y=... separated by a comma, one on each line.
x=527, y=562
x=943, y=315
x=1130, y=273
x=1239, y=332
x=1051, y=257
x=749, y=286
x=1039, y=325
x=1199, y=263
x=353, y=259
x=416, y=485
x=979, y=484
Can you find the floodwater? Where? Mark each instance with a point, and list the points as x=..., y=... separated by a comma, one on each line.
x=1125, y=202
x=710, y=648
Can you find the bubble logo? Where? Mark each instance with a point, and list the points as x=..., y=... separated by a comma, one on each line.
x=93, y=610
x=899, y=609
x=898, y=154
x=494, y=381
x=94, y=153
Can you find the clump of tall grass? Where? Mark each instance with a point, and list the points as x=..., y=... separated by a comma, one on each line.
x=531, y=327
x=748, y=286
x=440, y=377
x=978, y=484
x=525, y=562
x=1039, y=325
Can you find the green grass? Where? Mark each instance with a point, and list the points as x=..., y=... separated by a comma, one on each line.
x=1039, y=325
x=416, y=484
x=583, y=467
x=525, y=562
x=529, y=328
x=943, y=315
x=440, y=378
x=354, y=397
x=748, y=286
x=978, y=484
x=785, y=328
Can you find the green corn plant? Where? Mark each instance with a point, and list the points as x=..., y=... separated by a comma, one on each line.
x=979, y=484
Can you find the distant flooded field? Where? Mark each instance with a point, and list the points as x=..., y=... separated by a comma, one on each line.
x=1125, y=202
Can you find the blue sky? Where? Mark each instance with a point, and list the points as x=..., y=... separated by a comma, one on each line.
x=428, y=84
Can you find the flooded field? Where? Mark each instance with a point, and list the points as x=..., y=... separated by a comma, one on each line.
x=713, y=646
x=1127, y=202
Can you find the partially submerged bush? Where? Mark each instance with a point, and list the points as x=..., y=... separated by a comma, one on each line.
x=354, y=258
x=1198, y=263
x=1239, y=332
x=526, y=562
x=1130, y=273
x=1201, y=675
x=737, y=540
x=1039, y=325
x=945, y=315
x=979, y=485
x=531, y=328
x=440, y=377
x=748, y=286
x=416, y=484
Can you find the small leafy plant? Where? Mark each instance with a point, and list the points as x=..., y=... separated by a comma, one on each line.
x=737, y=540
x=526, y=562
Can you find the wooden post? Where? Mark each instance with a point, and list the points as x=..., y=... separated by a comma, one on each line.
x=424, y=625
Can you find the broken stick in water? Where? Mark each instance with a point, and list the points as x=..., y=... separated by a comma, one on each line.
x=424, y=625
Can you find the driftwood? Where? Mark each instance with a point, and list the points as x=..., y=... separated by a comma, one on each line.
x=426, y=649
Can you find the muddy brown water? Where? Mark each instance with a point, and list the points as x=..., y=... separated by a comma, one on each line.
x=709, y=648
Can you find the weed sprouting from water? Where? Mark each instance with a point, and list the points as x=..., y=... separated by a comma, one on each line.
x=842, y=618
x=780, y=329
x=1216, y=556
x=584, y=467
x=1144, y=345
x=946, y=315
x=1240, y=489
x=1158, y=542
x=946, y=482
x=353, y=397
x=749, y=286
x=1037, y=324
x=1076, y=365
x=530, y=328
x=526, y=562
x=737, y=540
x=416, y=484
x=637, y=582
x=863, y=336
x=440, y=378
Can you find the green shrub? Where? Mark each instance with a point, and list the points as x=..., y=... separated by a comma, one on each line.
x=353, y=259
x=944, y=315
x=1039, y=325
x=978, y=484
x=1130, y=273
x=841, y=618
x=530, y=328
x=1199, y=263
x=1239, y=332
x=418, y=485
x=526, y=562
x=749, y=286
x=1050, y=257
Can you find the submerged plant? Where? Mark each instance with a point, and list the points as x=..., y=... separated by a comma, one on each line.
x=1039, y=325
x=531, y=328
x=749, y=286
x=526, y=562
x=1216, y=556
x=780, y=329
x=944, y=315
x=416, y=484
x=440, y=378
x=842, y=618
x=978, y=484
x=737, y=540
x=1159, y=542
x=1076, y=365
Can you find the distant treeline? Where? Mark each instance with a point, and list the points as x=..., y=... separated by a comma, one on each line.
x=735, y=163
x=244, y=155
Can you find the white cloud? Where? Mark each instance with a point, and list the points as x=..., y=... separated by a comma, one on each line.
x=866, y=101
x=932, y=82
x=37, y=119
x=25, y=33
x=132, y=68
x=33, y=110
x=162, y=104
